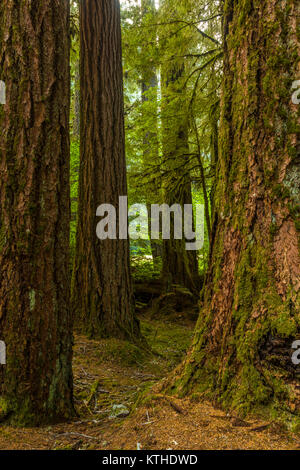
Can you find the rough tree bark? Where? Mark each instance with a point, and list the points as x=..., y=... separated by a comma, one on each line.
x=179, y=265
x=35, y=320
x=241, y=353
x=102, y=295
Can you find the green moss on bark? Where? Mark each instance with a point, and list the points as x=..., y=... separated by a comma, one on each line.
x=241, y=352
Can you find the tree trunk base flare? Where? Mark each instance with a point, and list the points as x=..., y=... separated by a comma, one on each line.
x=179, y=301
x=241, y=356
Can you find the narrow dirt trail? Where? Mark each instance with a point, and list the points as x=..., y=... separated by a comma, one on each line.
x=110, y=375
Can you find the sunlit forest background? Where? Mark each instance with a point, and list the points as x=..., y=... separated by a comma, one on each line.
x=156, y=40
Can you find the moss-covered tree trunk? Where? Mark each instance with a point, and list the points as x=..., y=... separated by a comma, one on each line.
x=35, y=322
x=179, y=265
x=241, y=353
x=102, y=295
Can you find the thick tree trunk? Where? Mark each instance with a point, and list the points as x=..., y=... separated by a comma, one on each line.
x=241, y=352
x=102, y=294
x=35, y=321
x=179, y=265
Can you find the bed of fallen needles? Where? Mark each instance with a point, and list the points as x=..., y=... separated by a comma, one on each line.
x=110, y=375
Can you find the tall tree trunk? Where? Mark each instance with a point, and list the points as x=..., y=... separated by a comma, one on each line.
x=241, y=352
x=76, y=103
x=179, y=265
x=35, y=321
x=102, y=295
x=151, y=150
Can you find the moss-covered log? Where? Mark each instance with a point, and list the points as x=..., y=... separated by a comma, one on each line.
x=241, y=353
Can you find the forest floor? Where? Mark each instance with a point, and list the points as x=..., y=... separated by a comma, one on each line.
x=110, y=375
